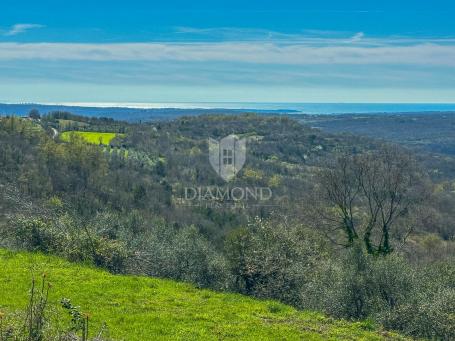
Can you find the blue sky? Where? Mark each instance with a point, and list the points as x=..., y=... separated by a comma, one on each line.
x=278, y=51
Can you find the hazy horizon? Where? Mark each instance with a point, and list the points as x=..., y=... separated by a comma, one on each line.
x=278, y=107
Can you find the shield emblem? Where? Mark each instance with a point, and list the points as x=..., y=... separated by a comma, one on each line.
x=227, y=156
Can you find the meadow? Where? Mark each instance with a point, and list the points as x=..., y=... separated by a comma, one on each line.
x=141, y=308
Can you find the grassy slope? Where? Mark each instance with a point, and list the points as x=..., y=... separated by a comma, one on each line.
x=91, y=136
x=140, y=308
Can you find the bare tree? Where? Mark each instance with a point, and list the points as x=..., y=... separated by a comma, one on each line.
x=368, y=197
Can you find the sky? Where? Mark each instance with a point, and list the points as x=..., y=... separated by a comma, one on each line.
x=227, y=51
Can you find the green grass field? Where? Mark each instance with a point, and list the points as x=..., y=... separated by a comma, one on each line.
x=91, y=136
x=141, y=308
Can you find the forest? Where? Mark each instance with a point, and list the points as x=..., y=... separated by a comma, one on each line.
x=358, y=228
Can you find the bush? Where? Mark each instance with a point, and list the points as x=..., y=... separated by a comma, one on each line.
x=361, y=285
x=272, y=260
x=37, y=235
x=388, y=290
x=430, y=313
x=63, y=238
x=182, y=254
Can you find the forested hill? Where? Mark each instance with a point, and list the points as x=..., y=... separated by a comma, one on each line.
x=124, y=113
x=355, y=228
x=431, y=132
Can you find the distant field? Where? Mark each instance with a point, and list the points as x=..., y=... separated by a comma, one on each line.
x=91, y=136
x=141, y=308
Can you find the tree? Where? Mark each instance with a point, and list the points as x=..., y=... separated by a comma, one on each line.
x=367, y=196
x=34, y=114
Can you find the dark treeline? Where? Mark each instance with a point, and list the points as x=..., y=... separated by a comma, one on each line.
x=356, y=228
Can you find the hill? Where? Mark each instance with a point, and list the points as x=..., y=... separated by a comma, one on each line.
x=425, y=132
x=128, y=113
x=124, y=208
x=141, y=308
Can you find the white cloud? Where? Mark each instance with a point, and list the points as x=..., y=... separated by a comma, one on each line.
x=235, y=34
x=357, y=37
x=364, y=52
x=20, y=28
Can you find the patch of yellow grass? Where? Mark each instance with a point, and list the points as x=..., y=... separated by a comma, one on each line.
x=92, y=137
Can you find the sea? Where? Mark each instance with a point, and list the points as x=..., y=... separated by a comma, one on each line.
x=169, y=110
x=307, y=108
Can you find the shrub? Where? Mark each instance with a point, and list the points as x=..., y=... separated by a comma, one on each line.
x=430, y=313
x=181, y=254
x=416, y=301
x=63, y=238
x=272, y=260
x=36, y=235
x=362, y=285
